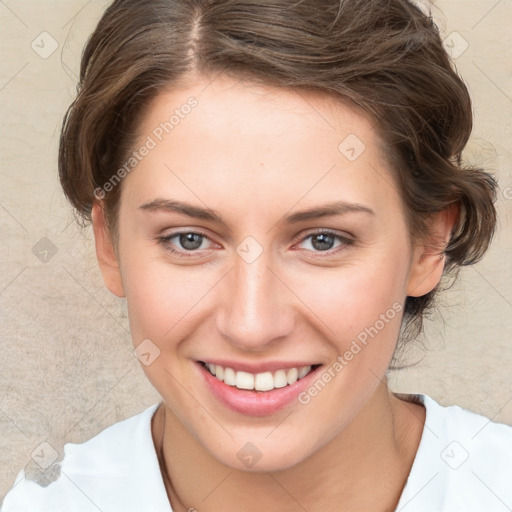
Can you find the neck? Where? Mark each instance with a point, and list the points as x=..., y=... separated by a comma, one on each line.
x=365, y=467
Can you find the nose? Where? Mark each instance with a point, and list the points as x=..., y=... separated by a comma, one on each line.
x=256, y=306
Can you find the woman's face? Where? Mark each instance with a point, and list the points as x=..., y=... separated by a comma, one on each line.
x=266, y=280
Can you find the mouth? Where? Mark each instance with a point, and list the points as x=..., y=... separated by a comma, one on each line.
x=257, y=394
x=258, y=382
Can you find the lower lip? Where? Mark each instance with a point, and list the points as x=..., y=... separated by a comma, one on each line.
x=256, y=403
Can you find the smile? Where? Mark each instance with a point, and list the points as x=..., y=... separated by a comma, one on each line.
x=265, y=381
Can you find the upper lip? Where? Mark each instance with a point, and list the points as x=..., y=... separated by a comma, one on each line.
x=258, y=367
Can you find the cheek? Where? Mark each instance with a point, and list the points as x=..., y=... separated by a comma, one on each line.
x=158, y=305
x=352, y=298
x=159, y=295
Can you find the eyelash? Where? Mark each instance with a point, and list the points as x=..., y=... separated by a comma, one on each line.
x=347, y=242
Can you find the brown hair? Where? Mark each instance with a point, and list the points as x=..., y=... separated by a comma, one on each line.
x=384, y=56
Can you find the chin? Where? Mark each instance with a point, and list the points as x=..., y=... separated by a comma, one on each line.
x=253, y=457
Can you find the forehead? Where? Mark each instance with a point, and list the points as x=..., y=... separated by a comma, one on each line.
x=212, y=138
x=248, y=108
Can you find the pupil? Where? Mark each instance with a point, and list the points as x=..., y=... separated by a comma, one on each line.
x=189, y=240
x=325, y=241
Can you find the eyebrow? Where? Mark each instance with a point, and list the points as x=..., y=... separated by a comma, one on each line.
x=325, y=210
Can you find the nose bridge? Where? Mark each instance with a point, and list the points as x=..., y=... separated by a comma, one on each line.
x=254, y=311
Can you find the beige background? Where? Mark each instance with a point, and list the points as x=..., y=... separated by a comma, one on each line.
x=67, y=368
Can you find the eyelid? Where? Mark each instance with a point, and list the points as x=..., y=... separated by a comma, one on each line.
x=319, y=231
x=195, y=231
x=347, y=242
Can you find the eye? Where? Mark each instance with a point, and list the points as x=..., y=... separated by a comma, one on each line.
x=190, y=241
x=322, y=241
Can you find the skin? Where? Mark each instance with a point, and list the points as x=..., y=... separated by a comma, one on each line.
x=255, y=154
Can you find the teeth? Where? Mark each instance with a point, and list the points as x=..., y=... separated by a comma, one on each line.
x=280, y=379
x=244, y=380
x=304, y=371
x=292, y=375
x=265, y=381
x=229, y=376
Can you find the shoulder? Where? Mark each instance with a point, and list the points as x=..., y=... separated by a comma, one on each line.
x=479, y=456
x=116, y=470
x=473, y=439
x=463, y=462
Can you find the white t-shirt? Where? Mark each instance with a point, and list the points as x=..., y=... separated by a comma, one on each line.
x=463, y=464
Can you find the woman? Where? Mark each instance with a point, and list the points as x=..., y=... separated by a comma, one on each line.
x=277, y=190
